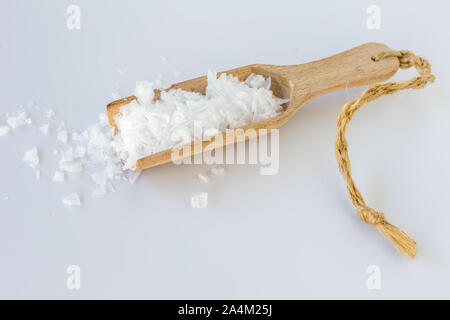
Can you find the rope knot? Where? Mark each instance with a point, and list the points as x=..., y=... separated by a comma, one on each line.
x=370, y=216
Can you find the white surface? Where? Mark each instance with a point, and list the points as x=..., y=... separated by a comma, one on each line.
x=291, y=235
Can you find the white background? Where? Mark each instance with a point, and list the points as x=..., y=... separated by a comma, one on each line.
x=291, y=235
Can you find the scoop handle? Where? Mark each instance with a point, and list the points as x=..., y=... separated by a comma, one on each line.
x=351, y=68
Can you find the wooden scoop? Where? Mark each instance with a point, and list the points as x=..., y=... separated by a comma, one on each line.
x=299, y=83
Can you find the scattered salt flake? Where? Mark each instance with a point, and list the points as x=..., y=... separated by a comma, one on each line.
x=199, y=200
x=203, y=177
x=120, y=72
x=100, y=177
x=132, y=176
x=68, y=155
x=45, y=129
x=4, y=131
x=80, y=136
x=110, y=187
x=217, y=171
x=38, y=174
x=71, y=166
x=114, y=171
x=79, y=152
x=164, y=59
x=99, y=192
x=59, y=176
x=72, y=200
x=55, y=152
x=63, y=136
x=50, y=114
x=20, y=120
x=31, y=157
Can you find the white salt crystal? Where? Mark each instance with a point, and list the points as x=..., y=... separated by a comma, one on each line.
x=164, y=59
x=258, y=81
x=159, y=84
x=63, y=136
x=110, y=187
x=100, y=177
x=68, y=155
x=199, y=200
x=50, y=114
x=103, y=119
x=120, y=72
x=72, y=200
x=217, y=171
x=79, y=152
x=71, y=166
x=114, y=171
x=4, y=131
x=99, y=192
x=31, y=157
x=59, y=176
x=45, y=129
x=80, y=136
x=203, y=177
x=115, y=96
x=144, y=91
x=38, y=174
x=55, y=152
x=20, y=120
x=132, y=176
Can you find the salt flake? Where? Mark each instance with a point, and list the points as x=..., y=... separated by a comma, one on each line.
x=199, y=200
x=31, y=157
x=20, y=120
x=45, y=129
x=4, y=131
x=63, y=136
x=59, y=176
x=71, y=166
x=132, y=176
x=50, y=114
x=144, y=91
x=72, y=200
x=203, y=177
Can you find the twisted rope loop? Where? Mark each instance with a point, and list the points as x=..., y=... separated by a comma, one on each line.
x=370, y=216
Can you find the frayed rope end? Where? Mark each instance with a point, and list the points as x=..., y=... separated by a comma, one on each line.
x=399, y=238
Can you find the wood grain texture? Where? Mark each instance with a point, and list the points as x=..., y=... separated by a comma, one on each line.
x=299, y=83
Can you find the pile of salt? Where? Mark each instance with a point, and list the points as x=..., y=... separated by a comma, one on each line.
x=147, y=127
